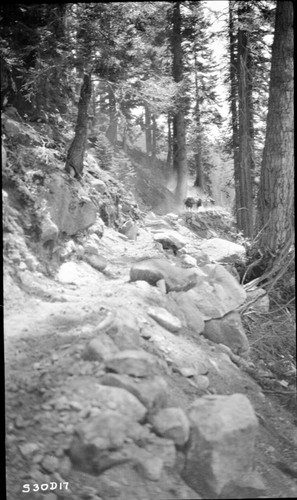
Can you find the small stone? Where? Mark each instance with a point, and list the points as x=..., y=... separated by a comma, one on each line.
x=161, y=284
x=37, y=458
x=100, y=186
x=36, y=474
x=270, y=449
x=172, y=423
x=50, y=463
x=68, y=429
x=64, y=466
x=100, y=348
x=132, y=362
x=20, y=422
x=202, y=381
x=62, y=403
x=10, y=438
x=96, y=261
x=150, y=467
x=46, y=406
x=165, y=319
x=31, y=262
x=28, y=449
x=186, y=371
x=49, y=230
x=75, y=405
x=109, y=488
x=188, y=261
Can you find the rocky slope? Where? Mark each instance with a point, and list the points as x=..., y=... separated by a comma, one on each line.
x=128, y=368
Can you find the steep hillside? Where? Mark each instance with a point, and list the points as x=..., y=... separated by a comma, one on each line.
x=131, y=361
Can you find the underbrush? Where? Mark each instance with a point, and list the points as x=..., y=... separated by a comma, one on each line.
x=272, y=338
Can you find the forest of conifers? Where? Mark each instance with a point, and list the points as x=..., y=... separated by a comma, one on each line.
x=153, y=67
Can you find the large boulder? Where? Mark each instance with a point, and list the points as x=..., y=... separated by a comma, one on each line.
x=118, y=399
x=221, y=250
x=20, y=133
x=222, y=443
x=98, y=442
x=172, y=423
x=151, y=392
x=154, y=270
x=189, y=311
x=49, y=230
x=132, y=362
x=70, y=207
x=124, y=328
x=170, y=239
x=100, y=348
x=228, y=331
x=217, y=294
x=96, y=261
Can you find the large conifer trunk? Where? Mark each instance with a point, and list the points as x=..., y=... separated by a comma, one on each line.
x=199, y=179
x=179, y=128
x=112, y=131
x=276, y=191
x=76, y=152
x=234, y=104
x=148, y=130
x=244, y=214
x=169, y=142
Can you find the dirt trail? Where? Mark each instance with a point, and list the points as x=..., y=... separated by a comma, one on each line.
x=43, y=344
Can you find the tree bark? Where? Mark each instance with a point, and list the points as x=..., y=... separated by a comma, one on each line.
x=148, y=130
x=112, y=131
x=154, y=137
x=275, y=209
x=199, y=180
x=169, y=143
x=179, y=128
x=244, y=214
x=76, y=152
x=234, y=104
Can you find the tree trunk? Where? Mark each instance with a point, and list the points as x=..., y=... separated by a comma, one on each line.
x=234, y=104
x=148, y=130
x=179, y=128
x=244, y=214
x=154, y=137
x=76, y=152
x=169, y=141
x=276, y=191
x=125, y=139
x=94, y=105
x=199, y=181
x=112, y=131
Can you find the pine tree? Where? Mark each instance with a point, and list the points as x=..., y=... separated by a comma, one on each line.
x=179, y=127
x=33, y=57
x=276, y=192
x=244, y=213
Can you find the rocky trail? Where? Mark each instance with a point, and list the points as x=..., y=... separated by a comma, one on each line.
x=132, y=361
x=112, y=390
